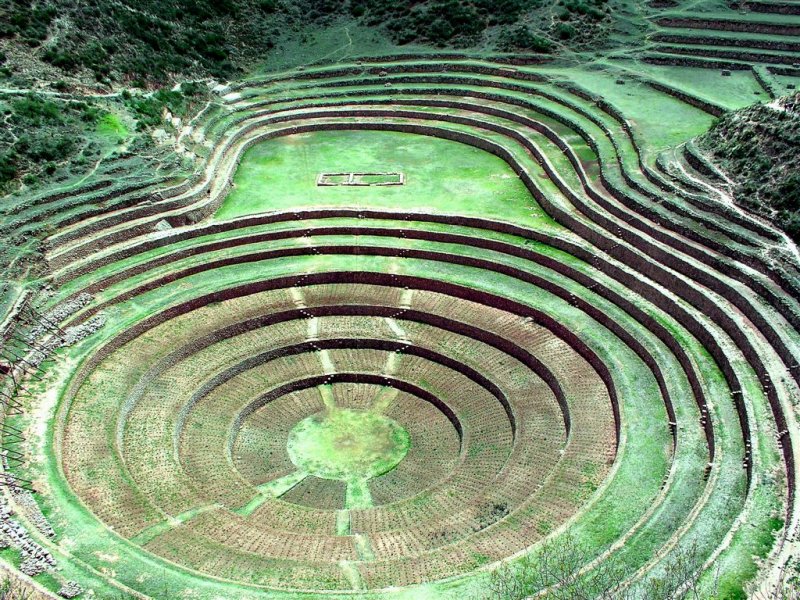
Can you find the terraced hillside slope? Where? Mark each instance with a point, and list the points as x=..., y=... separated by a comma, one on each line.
x=757, y=148
x=413, y=326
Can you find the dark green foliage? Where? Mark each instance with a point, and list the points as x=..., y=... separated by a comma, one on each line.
x=190, y=89
x=44, y=147
x=450, y=18
x=150, y=43
x=450, y=22
x=149, y=40
x=268, y=6
x=523, y=38
x=41, y=134
x=30, y=22
x=60, y=59
x=437, y=22
x=8, y=167
x=591, y=8
x=506, y=12
x=33, y=110
x=787, y=193
x=148, y=109
x=89, y=113
x=759, y=147
x=564, y=31
x=792, y=226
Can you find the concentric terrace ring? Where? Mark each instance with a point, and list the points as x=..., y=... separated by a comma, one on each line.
x=355, y=399
x=504, y=422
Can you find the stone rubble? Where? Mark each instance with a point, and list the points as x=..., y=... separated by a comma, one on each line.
x=24, y=498
x=70, y=589
x=79, y=332
x=35, y=559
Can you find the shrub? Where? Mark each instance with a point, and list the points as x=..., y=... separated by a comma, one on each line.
x=35, y=110
x=564, y=31
x=787, y=193
x=268, y=6
x=523, y=38
x=8, y=168
x=59, y=59
x=48, y=148
x=506, y=12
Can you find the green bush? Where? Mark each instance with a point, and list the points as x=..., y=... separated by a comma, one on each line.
x=505, y=12
x=149, y=109
x=35, y=111
x=47, y=132
x=268, y=6
x=42, y=146
x=8, y=167
x=787, y=193
x=60, y=59
x=564, y=31
x=523, y=38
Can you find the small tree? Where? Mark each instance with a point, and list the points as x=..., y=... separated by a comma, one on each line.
x=783, y=586
x=679, y=579
x=556, y=567
x=557, y=572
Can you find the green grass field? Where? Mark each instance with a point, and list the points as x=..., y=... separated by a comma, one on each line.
x=440, y=176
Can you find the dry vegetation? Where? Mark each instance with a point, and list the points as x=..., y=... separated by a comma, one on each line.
x=759, y=147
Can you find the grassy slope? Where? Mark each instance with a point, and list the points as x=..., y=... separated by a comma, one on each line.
x=660, y=120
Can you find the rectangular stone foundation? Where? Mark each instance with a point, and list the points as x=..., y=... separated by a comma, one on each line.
x=360, y=179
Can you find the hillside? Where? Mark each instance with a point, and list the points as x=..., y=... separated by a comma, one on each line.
x=158, y=41
x=758, y=148
x=75, y=58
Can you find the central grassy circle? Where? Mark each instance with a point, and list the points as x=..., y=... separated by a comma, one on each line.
x=346, y=444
